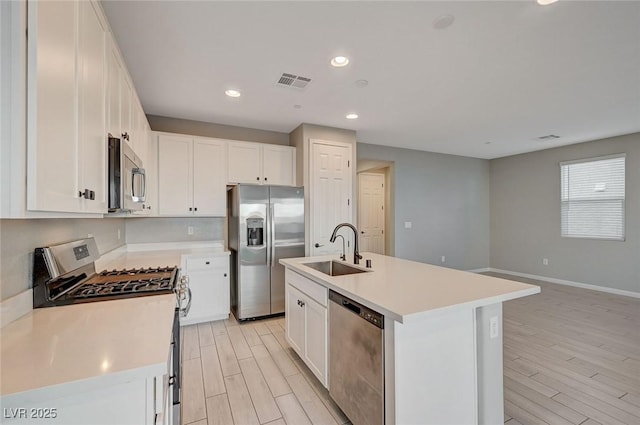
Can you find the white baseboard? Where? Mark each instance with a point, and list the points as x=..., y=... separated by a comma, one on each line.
x=566, y=282
x=481, y=270
x=15, y=307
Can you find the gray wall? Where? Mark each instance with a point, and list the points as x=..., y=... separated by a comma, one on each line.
x=160, y=229
x=525, y=218
x=18, y=239
x=446, y=198
x=207, y=129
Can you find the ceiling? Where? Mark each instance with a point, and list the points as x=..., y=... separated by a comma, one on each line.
x=502, y=75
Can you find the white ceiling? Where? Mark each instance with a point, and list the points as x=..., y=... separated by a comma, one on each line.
x=504, y=72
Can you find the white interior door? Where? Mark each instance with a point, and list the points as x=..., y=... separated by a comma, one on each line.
x=330, y=195
x=371, y=212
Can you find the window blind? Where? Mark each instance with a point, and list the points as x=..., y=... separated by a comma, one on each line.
x=593, y=198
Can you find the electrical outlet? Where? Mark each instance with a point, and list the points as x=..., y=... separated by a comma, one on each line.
x=443, y=259
x=407, y=225
x=189, y=230
x=545, y=261
x=493, y=327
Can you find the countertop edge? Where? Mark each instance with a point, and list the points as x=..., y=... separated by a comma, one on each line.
x=318, y=277
x=30, y=396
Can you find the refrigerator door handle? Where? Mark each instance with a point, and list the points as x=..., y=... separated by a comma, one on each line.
x=268, y=236
x=272, y=241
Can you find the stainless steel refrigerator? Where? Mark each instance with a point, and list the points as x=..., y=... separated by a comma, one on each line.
x=266, y=223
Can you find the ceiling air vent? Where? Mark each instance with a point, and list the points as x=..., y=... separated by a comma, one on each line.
x=548, y=137
x=291, y=80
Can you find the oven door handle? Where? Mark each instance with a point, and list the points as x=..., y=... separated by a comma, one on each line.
x=188, y=307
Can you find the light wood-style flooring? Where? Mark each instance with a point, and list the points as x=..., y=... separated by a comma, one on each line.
x=571, y=356
x=246, y=373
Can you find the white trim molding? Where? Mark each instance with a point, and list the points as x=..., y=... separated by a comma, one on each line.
x=15, y=307
x=563, y=282
x=480, y=270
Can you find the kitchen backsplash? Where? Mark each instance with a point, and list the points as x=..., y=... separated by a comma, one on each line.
x=21, y=237
x=159, y=229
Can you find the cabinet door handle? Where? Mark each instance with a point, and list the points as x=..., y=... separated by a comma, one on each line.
x=195, y=209
x=207, y=262
x=265, y=179
x=225, y=275
x=258, y=178
x=190, y=209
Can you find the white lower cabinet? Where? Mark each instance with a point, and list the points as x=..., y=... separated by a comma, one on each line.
x=136, y=402
x=209, y=284
x=306, y=322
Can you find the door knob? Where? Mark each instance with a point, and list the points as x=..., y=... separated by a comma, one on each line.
x=317, y=245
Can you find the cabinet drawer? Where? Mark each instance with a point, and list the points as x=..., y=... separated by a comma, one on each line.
x=206, y=263
x=312, y=289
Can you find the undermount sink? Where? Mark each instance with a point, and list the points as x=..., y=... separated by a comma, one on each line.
x=334, y=268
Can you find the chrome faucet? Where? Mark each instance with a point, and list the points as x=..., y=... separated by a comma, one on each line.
x=356, y=254
x=343, y=257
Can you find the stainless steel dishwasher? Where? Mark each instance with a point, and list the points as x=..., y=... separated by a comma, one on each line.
x=356, y=360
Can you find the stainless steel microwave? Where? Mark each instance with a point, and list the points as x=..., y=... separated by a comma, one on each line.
x=127, y=179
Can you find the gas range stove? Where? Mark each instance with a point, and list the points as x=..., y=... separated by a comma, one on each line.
x=131, y=281
x=65, y=274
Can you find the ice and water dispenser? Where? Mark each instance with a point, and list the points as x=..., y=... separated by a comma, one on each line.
x=255, y=231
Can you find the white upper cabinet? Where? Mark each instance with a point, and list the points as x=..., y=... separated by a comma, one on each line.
x=259, y=163
x=113, y=88
x=191, y=176
x=126, y=118
x=279, y=165
x=92, y=106
x=66, y=170
x=245, y=163
x=209, y=177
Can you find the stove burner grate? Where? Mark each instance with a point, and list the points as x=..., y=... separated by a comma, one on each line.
x=132, y=281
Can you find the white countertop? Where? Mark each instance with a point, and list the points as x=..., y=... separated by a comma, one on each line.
x=156, y=254
x=405, y=290
x=77, y=347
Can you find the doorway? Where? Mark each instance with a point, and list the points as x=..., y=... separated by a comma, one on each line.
x=375, y=206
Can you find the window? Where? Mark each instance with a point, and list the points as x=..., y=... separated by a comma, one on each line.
x=592, y=198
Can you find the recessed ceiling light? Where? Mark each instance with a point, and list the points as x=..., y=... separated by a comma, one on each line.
x=351, y=116
x=361, y=84
x=232, y=93
x=340, y=61
x=443, y=22
x=546, y=2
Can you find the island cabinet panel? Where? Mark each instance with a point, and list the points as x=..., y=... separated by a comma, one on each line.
x=443, y=388
x=294, y=318
x=306, y=322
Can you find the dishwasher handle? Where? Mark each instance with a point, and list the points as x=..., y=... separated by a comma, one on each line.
x=351, y=306
x=364, y=312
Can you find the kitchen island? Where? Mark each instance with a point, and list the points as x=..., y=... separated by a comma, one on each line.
x=442, y=362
